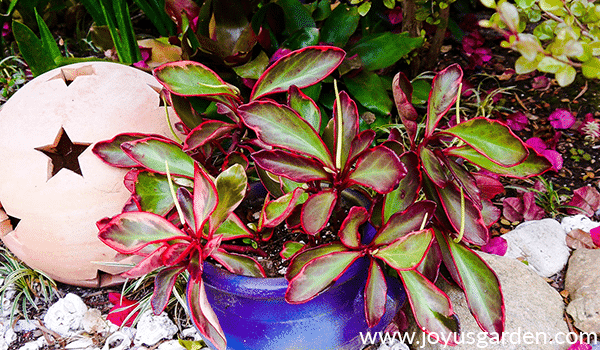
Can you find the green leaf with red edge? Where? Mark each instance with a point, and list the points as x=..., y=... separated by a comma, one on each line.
x=310, y=254
x=349, y=128
x=408, y=188
x=302, y=68
x=406, y=252
x=176, y=253
x=402, y=90
x=163, y=285
x=318, y=274
x=232, y=228
x=279, y=126
x=231, y=187
x=433, y=167
x=289, y=249
x=205, y=199
x=465, y=180
x=291, y=166
x=305, y=106
x=476, y=231
x=375, y=294
x=349, y=230
x=276, y=211
x=148, y=264
x=403, y=223
x=238, y=264
x=186, y=203
x=430, y=266
x=154, y=193
x=111, y=153
x=492, y=139
x=188, y=78
x=379, y=169
x=202, y=314
x=360, y=144
x=152, y=153
x=480, y=284
x=131, y=232
x=317, y=210
x=444, y=90
x=431, y=307
x=207, y=132
x=533, y=165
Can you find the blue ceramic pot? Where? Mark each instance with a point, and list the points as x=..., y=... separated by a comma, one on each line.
x=254, y=314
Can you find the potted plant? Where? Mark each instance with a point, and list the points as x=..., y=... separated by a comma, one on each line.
x=357, y=215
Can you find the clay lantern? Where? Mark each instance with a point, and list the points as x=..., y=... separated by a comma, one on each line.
x=53, y=189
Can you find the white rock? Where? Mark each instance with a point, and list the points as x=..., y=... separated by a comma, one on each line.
x=581, y=222
x=25, y=326
x=191, y=332
x=151, y=329
x=117, y=341
x=541, y=243
x=65, y=315
x=171, y=345
x=393, y=345
x=34, y=345
x=10, y=336
x=81, y=344
x=93, y=322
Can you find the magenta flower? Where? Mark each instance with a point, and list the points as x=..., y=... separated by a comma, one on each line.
x=595, y=233
x=590, y=127
x=561, y=119
x=517, y=121
x=5, y=29
x=496, y=245
x=540, y=146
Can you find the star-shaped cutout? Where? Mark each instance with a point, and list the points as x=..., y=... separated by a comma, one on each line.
x=68, y=75
x=63, y=154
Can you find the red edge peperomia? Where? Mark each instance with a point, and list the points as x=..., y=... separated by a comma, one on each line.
x=402, y=212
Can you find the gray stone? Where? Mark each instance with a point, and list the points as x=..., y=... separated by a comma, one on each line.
x=541, y=243
x=581, y=222
x=64, y=317
x=532, y=307
x=583, y=283
x=151, y=329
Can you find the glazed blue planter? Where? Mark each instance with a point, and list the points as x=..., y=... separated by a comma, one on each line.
x=254, y=314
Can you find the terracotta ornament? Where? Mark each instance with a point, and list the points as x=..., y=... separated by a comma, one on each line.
x=52, y=188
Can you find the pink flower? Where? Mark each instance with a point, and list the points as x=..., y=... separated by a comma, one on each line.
x=5, y=29
x=540, y=146
x=595, y=233
x=395, y=15
x=496, y=245
x=122, y=308
x=580, y=346
x=561, y=119
x=517, y=121
x=146, y=53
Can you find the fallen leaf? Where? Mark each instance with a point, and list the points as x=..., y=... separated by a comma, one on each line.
x=587, y=198
x=595, y=234
x=121, y=310
x=580, y=346
x=496, y=245
x=579, y=239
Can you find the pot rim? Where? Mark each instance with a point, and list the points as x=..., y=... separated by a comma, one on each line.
x=264, y=287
